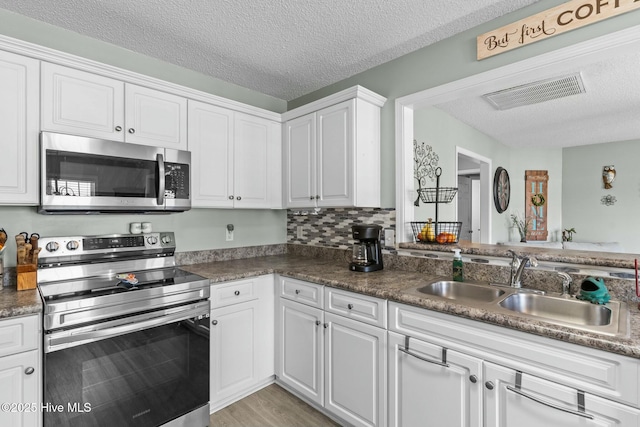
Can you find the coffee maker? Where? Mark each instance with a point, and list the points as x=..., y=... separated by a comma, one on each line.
x=367, y=251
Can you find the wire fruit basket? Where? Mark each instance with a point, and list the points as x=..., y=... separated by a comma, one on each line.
x=437, y=233
x=437, y=195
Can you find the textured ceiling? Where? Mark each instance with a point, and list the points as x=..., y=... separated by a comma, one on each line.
x=283, y=48
x=608, y=111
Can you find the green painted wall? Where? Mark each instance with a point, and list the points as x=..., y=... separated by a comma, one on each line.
x=583, y=190
x=446, y=61
x=197, y=229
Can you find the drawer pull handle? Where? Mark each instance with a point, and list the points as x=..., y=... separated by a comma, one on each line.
x=118, y=128
x=29, y=370
x=297, y=291
x=132, y=130
x=489, y=385
x=473, y=379
x=326, y=325
x=214, y=322
x=318, y=323
x=350, y=306
x=581, y=408
x=442, y=362
x=236, y=293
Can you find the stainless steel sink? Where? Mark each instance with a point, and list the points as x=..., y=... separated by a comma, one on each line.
x=559, y=309
x=461, y=291
x=609, y=319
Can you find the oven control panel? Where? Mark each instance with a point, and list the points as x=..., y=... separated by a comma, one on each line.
x=115, y=243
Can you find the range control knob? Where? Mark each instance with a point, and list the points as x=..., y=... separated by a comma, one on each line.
x=152, y=240
x=166, y=239
x=52, y=246
x=73, y=245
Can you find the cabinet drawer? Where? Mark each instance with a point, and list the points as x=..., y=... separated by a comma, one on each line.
x=304, y=292
x=19, y=334
x=605, y=374
x=233, y=292
x=359, y=307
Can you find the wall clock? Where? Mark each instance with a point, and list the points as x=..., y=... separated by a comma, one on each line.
x=501, y=189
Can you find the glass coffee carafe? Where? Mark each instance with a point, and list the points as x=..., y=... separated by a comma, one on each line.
x=361, y=254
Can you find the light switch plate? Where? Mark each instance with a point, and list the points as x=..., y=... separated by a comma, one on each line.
x=299, y=233
x=390, y=238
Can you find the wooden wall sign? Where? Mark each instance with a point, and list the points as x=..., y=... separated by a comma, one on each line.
x=536, y=183
x=560, y=19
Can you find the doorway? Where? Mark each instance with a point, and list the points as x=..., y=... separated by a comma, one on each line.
x=474, y=188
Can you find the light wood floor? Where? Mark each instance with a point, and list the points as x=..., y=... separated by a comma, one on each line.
x=271, y=406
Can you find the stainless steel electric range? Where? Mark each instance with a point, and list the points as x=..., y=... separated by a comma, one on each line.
x=126, y=333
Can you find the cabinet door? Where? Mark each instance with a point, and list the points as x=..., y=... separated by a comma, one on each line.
x=81, y=103
x=19, y=124
x=155, y=118
x=335, y=139
x=211, y=145
x=300, y=162
x=299, y=357
x=424, y=392
x=234, y=349
x=355, y=371
x=539, y=402
x=254, y=174
x=19, y=384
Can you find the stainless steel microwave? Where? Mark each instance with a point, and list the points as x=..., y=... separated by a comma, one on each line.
x=88, y=175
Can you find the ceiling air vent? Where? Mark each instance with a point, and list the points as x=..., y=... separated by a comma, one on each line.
x=533, y=93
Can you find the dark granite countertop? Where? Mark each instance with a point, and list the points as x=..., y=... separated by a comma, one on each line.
x=392, y=284
x=15, y=303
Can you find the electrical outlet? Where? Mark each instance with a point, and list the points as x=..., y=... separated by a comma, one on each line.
x=299, y=233
x=229, y=232
x=389, y=238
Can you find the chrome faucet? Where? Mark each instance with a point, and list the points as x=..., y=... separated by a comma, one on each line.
x=517, y=267
x=566, y=283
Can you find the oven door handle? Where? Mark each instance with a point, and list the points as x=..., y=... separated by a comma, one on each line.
x=61, y=340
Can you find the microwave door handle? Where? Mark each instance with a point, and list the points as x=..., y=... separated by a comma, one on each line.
x=161, y=178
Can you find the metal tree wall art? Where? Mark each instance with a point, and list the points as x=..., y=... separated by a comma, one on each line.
x=425, y=162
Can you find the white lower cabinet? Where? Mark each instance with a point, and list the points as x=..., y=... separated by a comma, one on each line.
x=431, y=385
x=241, y=339
x=331, y=360
x=20, y=372
x=497, y=377
x=300, y=358
x=355, y=371
x=517, y=399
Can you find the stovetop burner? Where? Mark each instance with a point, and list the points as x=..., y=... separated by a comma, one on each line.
x=92, y=278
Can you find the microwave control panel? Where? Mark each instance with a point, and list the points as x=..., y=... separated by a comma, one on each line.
x=176, y=183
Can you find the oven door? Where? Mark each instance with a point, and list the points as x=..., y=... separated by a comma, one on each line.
x=144, y=370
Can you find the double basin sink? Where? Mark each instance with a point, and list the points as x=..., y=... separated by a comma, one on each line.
x=609, y=319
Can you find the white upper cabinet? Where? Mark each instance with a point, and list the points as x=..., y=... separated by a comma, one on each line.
x=81, y=103
x=332, y=151
x=19, y=123
x=300, y=164
x=211, y=145
x=236, y=158
x=155, y=118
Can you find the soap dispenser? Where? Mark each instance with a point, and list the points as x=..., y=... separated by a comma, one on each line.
x=458, y=266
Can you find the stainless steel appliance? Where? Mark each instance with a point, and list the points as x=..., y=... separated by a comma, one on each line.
x=87, y=175
x=126, y=333
x=367, y=251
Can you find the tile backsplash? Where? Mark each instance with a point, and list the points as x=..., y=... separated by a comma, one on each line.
x=332, y=227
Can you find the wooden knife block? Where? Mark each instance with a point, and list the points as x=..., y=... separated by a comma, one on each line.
x=27, y=276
